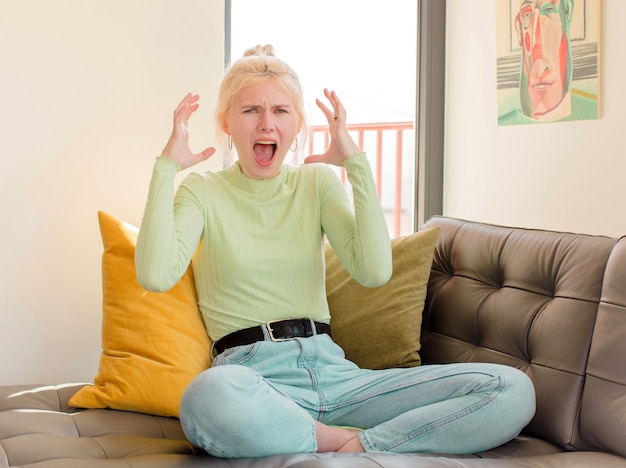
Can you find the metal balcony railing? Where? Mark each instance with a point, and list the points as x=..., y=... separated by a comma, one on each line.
x=388, y=156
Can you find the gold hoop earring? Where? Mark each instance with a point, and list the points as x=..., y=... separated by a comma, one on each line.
x=230, y=143
x=296, y=148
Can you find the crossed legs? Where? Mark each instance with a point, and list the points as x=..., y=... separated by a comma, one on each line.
x=232, y=411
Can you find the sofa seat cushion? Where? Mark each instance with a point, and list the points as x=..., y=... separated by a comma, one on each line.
x=37, y=424
x=38, y=429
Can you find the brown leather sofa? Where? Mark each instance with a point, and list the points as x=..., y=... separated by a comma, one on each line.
x=552, y=304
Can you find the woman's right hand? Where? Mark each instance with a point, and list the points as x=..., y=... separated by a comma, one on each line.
x=177, y=148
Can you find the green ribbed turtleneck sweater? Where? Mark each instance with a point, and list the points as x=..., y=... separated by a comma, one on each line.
x=257, y=245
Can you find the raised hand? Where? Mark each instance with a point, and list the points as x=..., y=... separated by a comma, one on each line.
x=342, y=146
x=177, y=147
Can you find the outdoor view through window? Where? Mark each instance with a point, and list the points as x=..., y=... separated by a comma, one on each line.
x=366, y=50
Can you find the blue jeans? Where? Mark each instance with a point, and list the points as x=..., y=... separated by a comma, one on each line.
x=262, y=399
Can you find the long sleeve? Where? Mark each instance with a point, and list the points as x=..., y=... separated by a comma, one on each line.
x=360, y=239
x=169, y=231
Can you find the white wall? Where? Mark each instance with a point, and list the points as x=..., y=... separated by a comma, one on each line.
x=87, y=90
x=562, y=176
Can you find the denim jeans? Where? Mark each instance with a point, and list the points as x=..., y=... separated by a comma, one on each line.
x=262, y=399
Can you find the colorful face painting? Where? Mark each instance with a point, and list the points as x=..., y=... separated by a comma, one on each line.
x=546, y=75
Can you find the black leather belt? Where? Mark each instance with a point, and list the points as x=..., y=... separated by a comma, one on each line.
x=277, y=330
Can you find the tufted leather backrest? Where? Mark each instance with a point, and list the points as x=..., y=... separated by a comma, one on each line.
x=530, y=299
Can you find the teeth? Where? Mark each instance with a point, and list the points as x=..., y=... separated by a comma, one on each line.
x=266, y=143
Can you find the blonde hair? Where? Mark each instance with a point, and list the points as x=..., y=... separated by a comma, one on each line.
x=257, y=65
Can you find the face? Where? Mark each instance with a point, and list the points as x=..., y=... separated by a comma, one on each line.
x=546, y=66
x=262, y=123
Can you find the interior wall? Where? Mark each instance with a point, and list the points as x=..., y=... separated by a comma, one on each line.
x=88, y=90
x=561, y=176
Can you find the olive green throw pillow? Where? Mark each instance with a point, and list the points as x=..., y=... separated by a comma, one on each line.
x=379, y=328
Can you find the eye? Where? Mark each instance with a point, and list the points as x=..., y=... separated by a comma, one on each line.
x=549, y=9
x=250, y=110
x=280, y=110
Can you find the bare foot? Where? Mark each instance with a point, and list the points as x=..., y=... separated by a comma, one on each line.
x=337, y=439
x=352, y=446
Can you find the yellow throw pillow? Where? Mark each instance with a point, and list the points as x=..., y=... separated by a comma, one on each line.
x=153, y=344
x=379, y=328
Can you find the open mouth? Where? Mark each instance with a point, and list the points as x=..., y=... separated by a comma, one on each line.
x=264, y=152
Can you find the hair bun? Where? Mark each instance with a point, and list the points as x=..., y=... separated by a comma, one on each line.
x=260, y=50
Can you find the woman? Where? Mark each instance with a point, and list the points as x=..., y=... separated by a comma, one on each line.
x=278, y=383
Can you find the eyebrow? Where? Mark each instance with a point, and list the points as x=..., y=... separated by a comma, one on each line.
x=274, y=106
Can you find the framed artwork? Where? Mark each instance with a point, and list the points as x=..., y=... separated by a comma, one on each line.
x=548, y=60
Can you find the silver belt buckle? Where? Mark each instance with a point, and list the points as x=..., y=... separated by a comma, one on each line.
x=270, y=331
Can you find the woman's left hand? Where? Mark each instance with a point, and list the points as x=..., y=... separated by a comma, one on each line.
x=342, y=146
